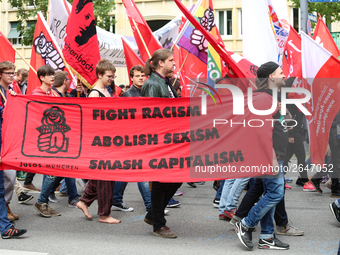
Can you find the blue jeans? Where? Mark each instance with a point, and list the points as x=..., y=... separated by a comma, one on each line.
x=5, y=224
x=144, y=190
x=118, y=192
x=264, y=210
x=47, y=184
x=231, y=193
x=219, y=191
x=63, y=187
x=143, y=187
x=70, y=184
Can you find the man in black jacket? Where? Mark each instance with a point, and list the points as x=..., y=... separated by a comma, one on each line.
x=158, y=67
x=138, y=78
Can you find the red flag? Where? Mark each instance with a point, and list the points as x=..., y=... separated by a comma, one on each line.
x=145, y=35
x=323, y=37
x=81, y=49
x=15, y=87
x=131, y=58
x=7, y=53
x=193, y=69
x=325, y=97
x=291, y=62
x=44, y=52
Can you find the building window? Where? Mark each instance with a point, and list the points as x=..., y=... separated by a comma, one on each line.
x=31, y=23
x=157, y=24
x=14, y=35
x=30, y=3
x=240, y=22
x=296, y=19
x=225, y=22
x=112, y=28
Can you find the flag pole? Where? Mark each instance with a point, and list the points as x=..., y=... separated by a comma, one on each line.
x=179, y=71
x=24, y=60
x=140, y=35
x=3, y=96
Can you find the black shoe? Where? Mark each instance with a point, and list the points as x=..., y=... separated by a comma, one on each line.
x=191, y=184
x=244, y=234
x=216, y=185
x=23, y=198
x=148, y=221
x=13, y=232
x=335, y=193
x=299, y=182
x=335, y=211
x=316, y=183
x=272, y=243
x=216, y=202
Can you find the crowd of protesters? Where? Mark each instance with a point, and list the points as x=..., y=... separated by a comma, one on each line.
x=264, y=201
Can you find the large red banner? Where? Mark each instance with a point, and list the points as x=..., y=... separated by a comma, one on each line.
x=136, y=139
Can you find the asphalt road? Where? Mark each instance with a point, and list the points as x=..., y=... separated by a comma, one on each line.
x=195, y=222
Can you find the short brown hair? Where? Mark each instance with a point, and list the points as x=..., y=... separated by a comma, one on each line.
x=104, y=65
x=4, y=65
x=136, y=68
x=59, y=78
x=45, y=70
x=24, y=73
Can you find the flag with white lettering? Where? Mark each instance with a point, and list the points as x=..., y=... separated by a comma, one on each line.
x=321, y=73
x=44, y=52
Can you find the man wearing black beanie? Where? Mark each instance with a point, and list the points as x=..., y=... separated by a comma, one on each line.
x=269, y=77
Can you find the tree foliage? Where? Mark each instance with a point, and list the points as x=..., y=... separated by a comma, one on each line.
x=101, y=8
x=330, y=10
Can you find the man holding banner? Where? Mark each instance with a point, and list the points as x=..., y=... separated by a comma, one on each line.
x=46, y=76
x=158, y=67
x=7, y=230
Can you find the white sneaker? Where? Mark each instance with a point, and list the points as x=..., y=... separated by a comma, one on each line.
x=122, y=207
x=166, y=212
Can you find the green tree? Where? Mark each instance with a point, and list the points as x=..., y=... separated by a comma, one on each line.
x=101, y=8
x=330, y=10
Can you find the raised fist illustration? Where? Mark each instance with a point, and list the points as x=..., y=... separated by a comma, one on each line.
x=52, y=131
x=48, y=52
x=52, y=142
x=208, y=20
x=197, y=39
